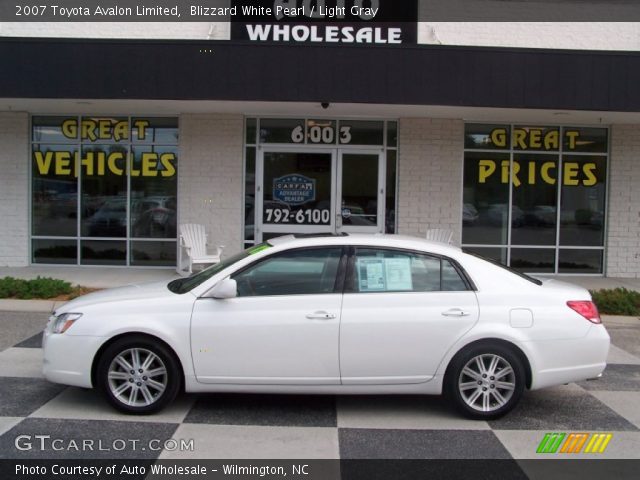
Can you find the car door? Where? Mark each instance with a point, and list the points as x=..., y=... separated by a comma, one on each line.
x=282, y=328
x=401, y=312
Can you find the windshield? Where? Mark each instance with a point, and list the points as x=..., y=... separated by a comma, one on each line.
x=184, y=285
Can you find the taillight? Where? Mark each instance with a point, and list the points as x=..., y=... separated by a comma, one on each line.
x=587, y=309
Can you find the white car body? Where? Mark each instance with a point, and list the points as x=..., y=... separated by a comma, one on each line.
x=396, y=342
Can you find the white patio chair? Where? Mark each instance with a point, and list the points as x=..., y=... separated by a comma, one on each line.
x=441, y=235
x=193, y=244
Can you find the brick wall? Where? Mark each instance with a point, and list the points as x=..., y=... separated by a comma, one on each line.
x=210, y=176
x=430, y=176
x=14, y=189
x=623, y=232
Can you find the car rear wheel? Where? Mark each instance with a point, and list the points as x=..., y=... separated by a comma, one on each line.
x=138, y=375
x=485, y=381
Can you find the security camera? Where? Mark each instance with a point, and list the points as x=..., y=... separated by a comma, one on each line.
x=325, y=105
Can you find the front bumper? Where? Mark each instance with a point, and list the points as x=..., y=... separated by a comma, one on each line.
x=68, y=358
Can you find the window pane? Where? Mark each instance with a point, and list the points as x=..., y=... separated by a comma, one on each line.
x=535, y=196
x=392, y=134
x=486, y=199
x=487, y=137
x=153, y=192
x=162, y=131
x=390, y=207
x=297, y=188
x=533, y=260
x=544, y=139
x=583, y=201
x=281, y=130
x=580, y=261
x=145, y=254
x=96, y=252
x=359, y=132
x=359, y=202
x=54, y=129
x=104, y=191
x=393, y=271
x=54, y=202
x=251, y=126
x=104, y=129
x=451, y=280
x=55, y=251
x=585, y=140
x=497, y=254
x=302, y=272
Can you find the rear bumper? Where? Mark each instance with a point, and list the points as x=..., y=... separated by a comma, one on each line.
x=68, y=358
x=568, y=361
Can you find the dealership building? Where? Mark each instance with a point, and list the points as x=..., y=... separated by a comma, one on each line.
x=523, y=139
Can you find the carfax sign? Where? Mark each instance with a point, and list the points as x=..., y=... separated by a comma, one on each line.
x=294, y=189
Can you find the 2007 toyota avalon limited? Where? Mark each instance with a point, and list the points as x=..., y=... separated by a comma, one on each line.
x=374, y=314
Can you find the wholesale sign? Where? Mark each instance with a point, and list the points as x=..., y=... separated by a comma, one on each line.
x=372, y=22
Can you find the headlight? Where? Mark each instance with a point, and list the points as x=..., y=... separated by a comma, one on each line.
x=63, y=321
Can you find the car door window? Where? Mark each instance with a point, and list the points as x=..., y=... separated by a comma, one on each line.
x=298, y=272
x=380, y=270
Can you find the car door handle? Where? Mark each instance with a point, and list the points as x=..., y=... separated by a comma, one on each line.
x=455, y=312
x=321, y=316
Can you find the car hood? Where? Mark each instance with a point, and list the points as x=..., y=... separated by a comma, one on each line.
x=144, y=291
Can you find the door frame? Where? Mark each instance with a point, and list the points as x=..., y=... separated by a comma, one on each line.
x=381, y=190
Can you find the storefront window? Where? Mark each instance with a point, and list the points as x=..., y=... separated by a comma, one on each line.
x=534, y=196
x=105, y=181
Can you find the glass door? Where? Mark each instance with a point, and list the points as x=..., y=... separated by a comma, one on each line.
x=295, y=192
x=306, y=191
x=360, y=191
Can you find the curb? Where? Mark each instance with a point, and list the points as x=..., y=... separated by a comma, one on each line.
x=41, y=306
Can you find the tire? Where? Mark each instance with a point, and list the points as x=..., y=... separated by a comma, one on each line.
x=154, y=383
x=472, y=394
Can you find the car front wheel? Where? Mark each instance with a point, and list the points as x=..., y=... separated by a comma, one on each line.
x=138, y=375
x=485, y=381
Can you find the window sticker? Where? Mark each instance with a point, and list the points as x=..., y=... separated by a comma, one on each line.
x=371, y=274
x=384, y=274
x=398, y=274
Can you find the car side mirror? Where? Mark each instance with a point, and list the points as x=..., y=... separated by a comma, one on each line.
x=227, y=288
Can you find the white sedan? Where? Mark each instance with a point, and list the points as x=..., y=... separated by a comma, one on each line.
x=356, y=314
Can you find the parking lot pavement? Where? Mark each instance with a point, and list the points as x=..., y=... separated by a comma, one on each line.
x=308, y=427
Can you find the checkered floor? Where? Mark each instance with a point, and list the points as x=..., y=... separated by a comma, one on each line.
x=313, y=427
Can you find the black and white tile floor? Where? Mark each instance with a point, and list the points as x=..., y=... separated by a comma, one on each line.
x=309, y=427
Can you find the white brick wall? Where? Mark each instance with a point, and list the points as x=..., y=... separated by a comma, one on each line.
x=623, y=236
x=430, y=176
x=14, y=189
x=210, y=176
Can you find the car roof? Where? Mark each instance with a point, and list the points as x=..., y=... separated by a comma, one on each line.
x=374, y=240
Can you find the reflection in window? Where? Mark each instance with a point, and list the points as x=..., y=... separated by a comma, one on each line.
x=301, y=272
x=54, y=191
x=485, y=215
x=583, y=201
x=379, y=270
x=94, y=155
x=549, y=190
